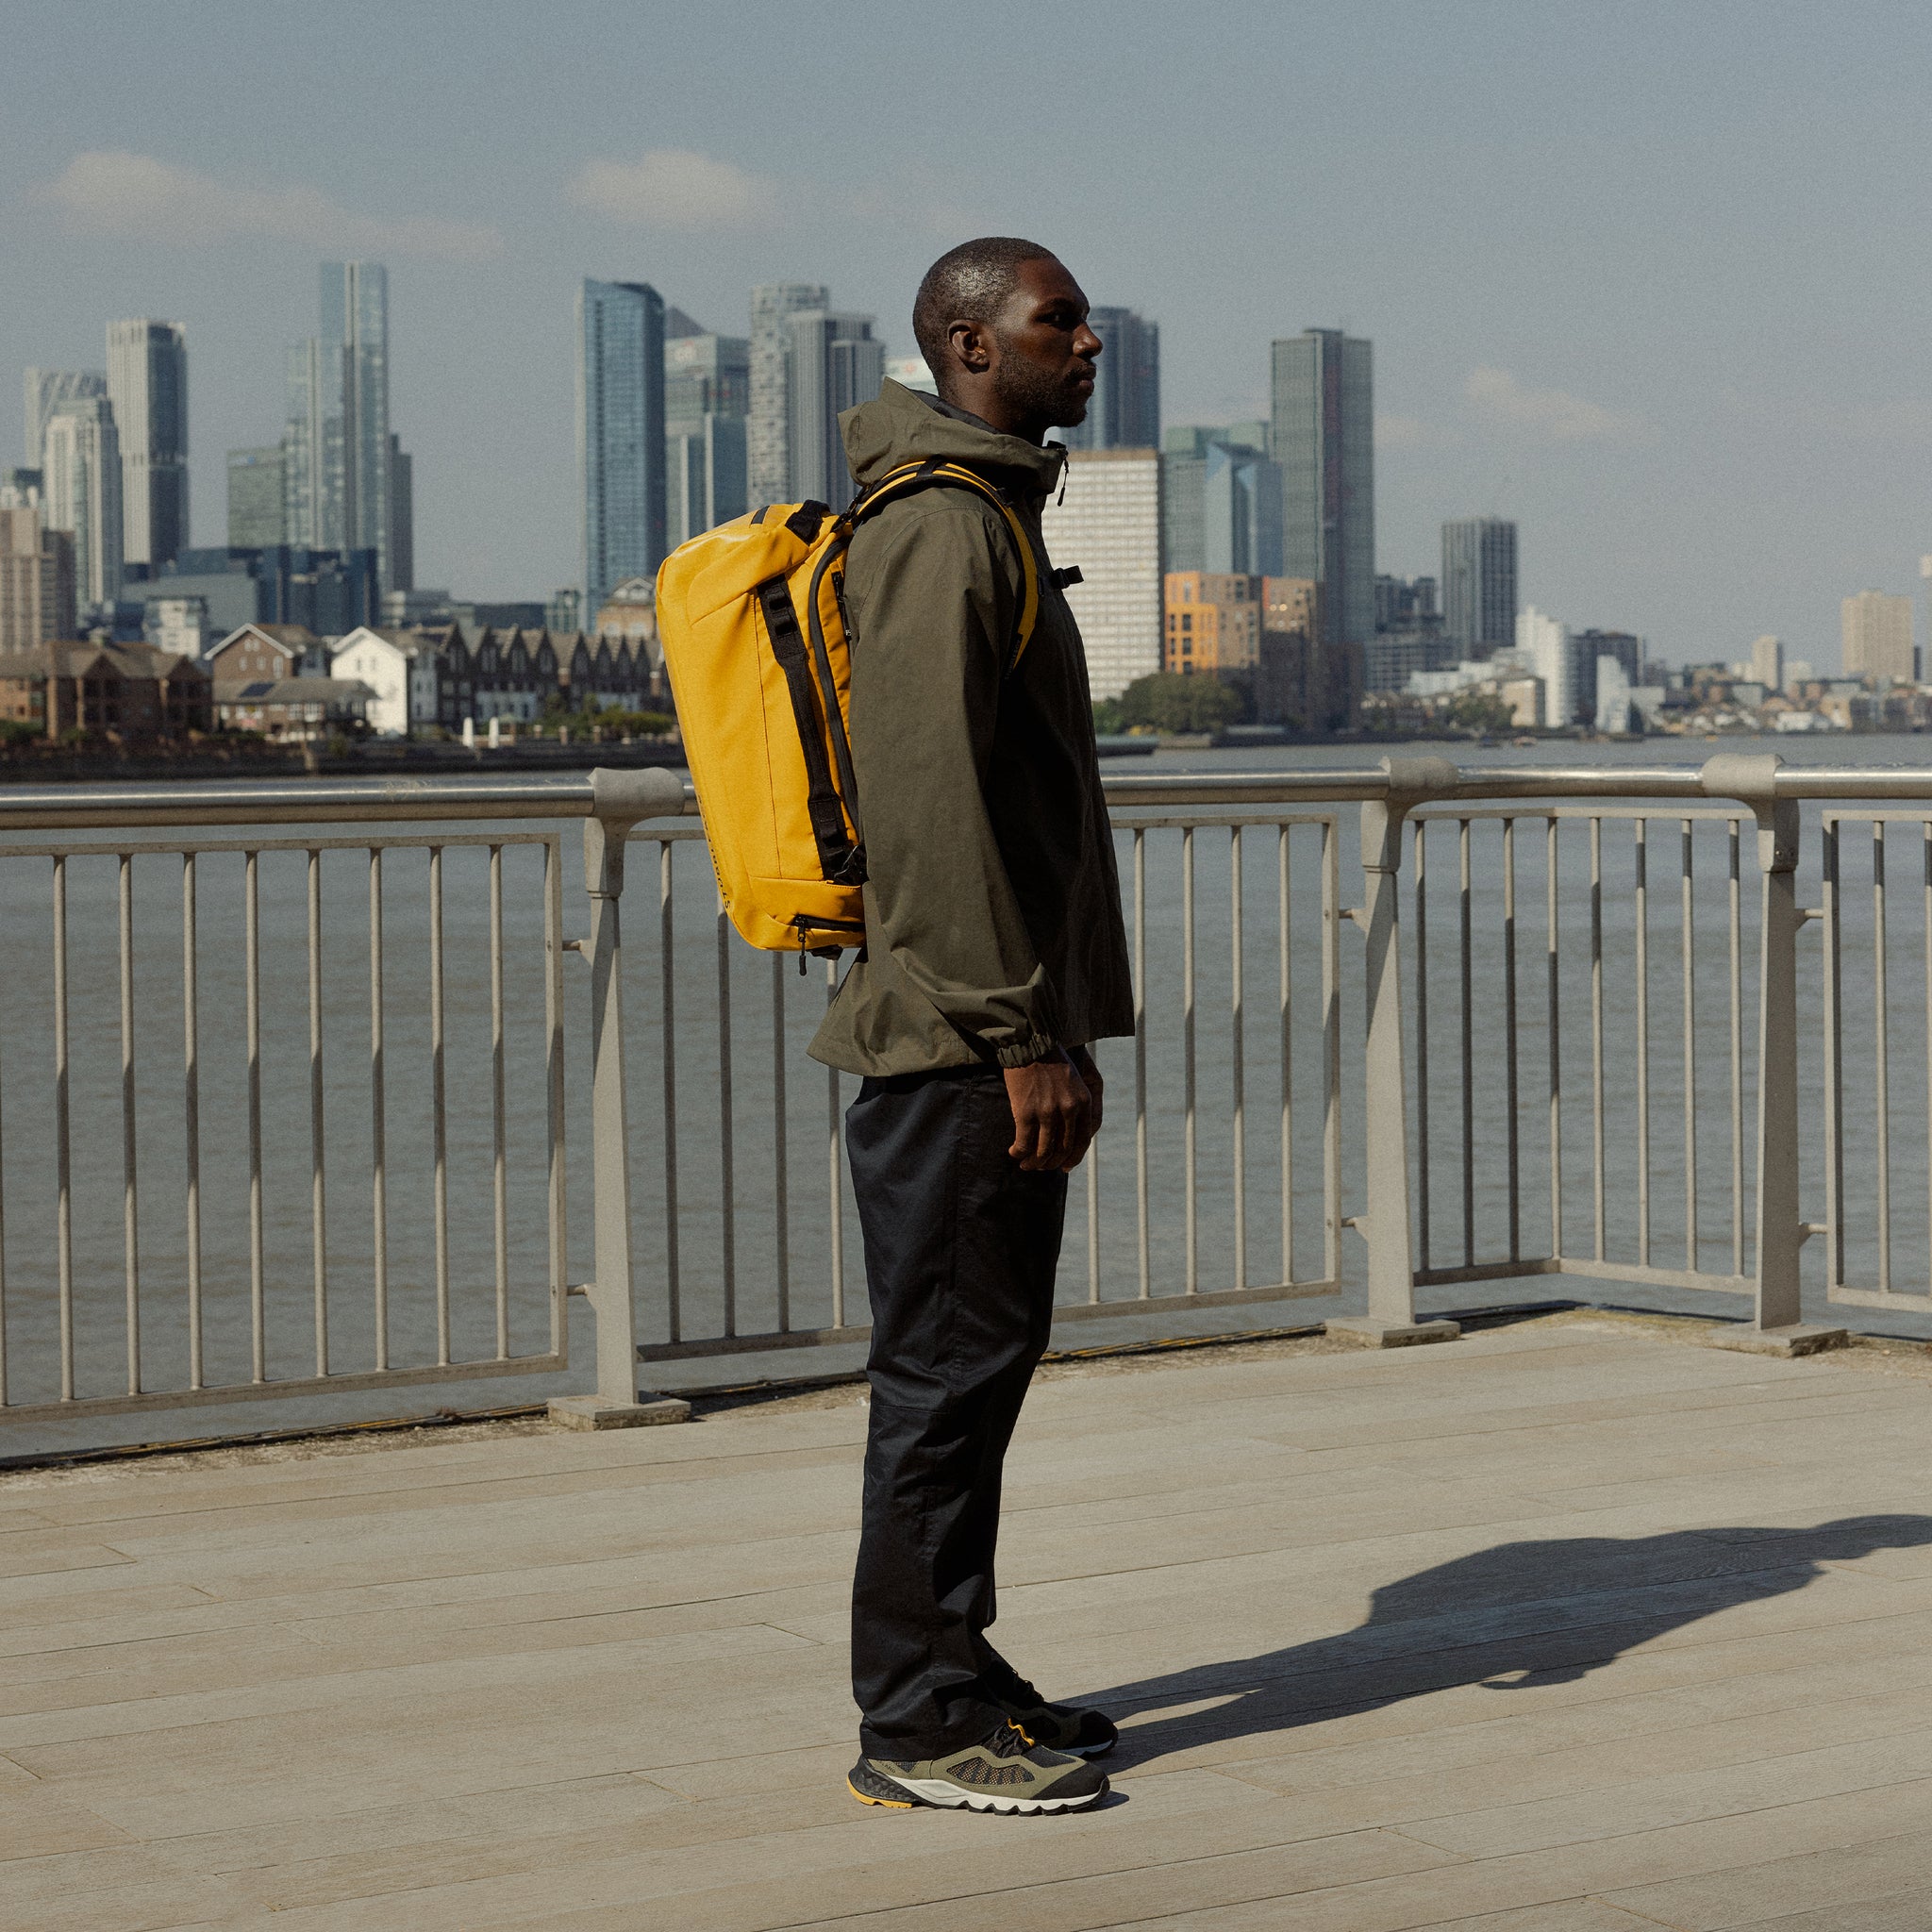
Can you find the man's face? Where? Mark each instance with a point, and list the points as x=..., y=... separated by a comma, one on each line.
x=1044, y=350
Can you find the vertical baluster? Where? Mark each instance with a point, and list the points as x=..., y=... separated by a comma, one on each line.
x=1093, y=1164
x=191, y=1125
x=1468, y=1050
x=257, y=1273
x=727, y=1203
x=1596, y=1028
x=1331, y=1052
x=130, y=1194
x=1423, y=1164
x=1881, y=1091
x=499, y=1150
x=1189, y=1164
x=1642, y=844
x=781, y=1205
x=439, y=1127
x=1236, y=1068
x=554, y=1125
x=1551, y=938
x=318, y=1173
x=1687, y=941
x=1140, y=1055
x=1281, y=859
x=379, y=1179
x=667, y=1050
x=1514, y=1138
x=1735, y=923
x=835, y=1167
x=1834, y=1061
x=63, y=1162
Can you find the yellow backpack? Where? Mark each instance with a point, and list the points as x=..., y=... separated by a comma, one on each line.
x=752, y=620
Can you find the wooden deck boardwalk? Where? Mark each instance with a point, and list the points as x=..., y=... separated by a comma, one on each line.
x=1569, y=1626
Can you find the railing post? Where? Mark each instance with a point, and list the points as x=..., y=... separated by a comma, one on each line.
x=1390, y=1322
x=1778, y=1229
x=619, y=800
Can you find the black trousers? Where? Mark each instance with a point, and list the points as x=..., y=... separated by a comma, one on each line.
x=960, y=1248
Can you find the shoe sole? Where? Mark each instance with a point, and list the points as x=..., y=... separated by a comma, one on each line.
x=943, y=1795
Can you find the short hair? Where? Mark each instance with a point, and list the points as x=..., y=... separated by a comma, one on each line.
x=969, y=283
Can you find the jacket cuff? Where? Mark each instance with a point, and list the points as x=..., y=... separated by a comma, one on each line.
x=1038, y=1046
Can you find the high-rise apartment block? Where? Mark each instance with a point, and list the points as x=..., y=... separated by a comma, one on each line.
x=1212, y=623
x=1877, y=637
x=81, y=492
x=620, y=396
x=1124, y=411
x=1547, y=648
x=45, y=389
x=1322, y=436
x=148, y=384
x=834, y=364
x=1479, y=585
x=36, y=581
x=768, y=427
x=706, y=396
x=1767, y=664
x=1220, y=500
x=1107, y=526
x=338, y=457
x=401, y=567
x=256, y=510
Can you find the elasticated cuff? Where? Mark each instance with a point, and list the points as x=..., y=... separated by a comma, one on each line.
x=1038, y=1046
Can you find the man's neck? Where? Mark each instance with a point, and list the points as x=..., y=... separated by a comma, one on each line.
x=965, y=413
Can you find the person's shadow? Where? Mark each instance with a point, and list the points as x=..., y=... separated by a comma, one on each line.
x=1507, y=1618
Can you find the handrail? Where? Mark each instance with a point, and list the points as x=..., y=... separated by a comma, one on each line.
x=1415, y=779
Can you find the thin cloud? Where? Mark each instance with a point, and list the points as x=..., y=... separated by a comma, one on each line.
x=137, y=198
x=1552, y=413
x=676, y=188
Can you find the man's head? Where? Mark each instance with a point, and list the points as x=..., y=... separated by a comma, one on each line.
x=1003, y=328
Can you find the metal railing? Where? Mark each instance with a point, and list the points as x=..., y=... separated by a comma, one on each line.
x=283, y=1111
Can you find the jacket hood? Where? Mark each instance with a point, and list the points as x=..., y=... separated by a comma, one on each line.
x=902, y=426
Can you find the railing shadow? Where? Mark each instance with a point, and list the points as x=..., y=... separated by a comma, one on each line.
x=1518, y=1615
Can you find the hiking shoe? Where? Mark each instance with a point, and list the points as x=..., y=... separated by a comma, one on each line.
x=1066, y=1727
x=1009, y=1772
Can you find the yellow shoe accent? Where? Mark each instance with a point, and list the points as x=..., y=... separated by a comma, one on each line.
x=884, y=1803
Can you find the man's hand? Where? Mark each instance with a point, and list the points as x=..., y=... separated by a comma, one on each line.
x=1055, y=1114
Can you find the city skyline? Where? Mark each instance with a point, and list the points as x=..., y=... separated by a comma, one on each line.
x=1634, y=325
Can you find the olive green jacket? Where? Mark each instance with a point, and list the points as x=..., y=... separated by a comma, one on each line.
x=993, y=912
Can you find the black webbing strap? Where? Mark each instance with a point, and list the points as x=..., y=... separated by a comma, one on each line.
x=822, y=797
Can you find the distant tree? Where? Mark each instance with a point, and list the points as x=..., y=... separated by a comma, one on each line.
x=1169, y=702
x=1108, y=721
x=1477, y=712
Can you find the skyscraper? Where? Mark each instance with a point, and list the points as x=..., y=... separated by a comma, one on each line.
x=354, y=322
x=36, y=581
x=1768, y=663
x=1547, y=646
x=706, y=393
x=402, y=517
x=148, y=384
x=1322, y=397
x=45, y=387
x=1877, y=637
x=337, y=448
x=768, y=427
x=255, y=508
x=1108, y=526
x=1125, y=411
x=834, y=362
x=620, y=393
x=1479, y=584
x=82, y=493
x=1220, y=500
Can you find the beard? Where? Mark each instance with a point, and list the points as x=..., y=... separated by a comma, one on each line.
x=1048, y=397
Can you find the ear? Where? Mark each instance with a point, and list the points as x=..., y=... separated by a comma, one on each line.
x=972, y=345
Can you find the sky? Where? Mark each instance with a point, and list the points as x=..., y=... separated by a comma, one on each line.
x=1652, y=279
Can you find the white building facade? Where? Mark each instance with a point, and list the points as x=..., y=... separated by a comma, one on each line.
x=80, y=493
x=1543, y=645
x=1107, y=526
x=399, y=668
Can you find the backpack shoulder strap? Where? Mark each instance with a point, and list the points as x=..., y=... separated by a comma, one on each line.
x=936, y=472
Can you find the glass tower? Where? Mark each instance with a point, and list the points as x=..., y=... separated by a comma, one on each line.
x=1323, y=439
x=1124, y=411
x=619, y=332
x=1479, y=584
x=147, y=383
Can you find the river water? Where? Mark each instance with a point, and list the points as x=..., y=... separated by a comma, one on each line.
x=781, y=1104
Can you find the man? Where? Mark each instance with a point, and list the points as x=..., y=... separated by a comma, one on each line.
x=994, y=955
